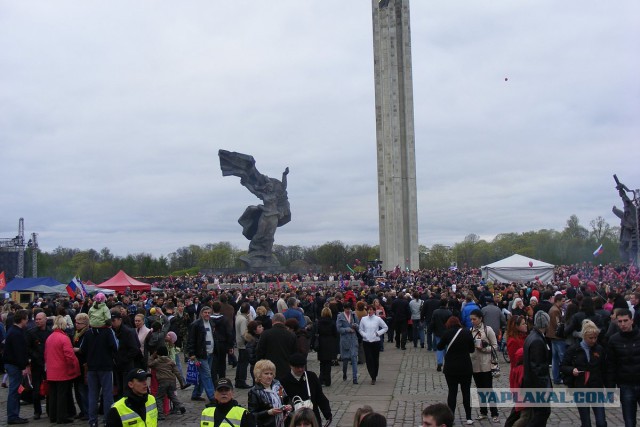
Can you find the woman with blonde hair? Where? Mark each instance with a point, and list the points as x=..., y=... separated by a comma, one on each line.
x=62, y=367
x=267, y=397
x=583, y=366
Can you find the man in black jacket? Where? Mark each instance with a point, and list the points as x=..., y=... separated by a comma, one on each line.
x=99, y=348
x=401, y=316
x=623, y=365
x=36, y=338
x=536, y=366
x=200, y=349
x=438, y=320
x=306, y=385
x=128, y=350
x=276, y=344
x=16, y=361
x=429, y=306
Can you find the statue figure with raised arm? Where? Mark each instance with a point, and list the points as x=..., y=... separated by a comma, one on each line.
x=259, y=222
x=628, y=224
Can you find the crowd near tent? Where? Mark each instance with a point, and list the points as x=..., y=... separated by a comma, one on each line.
x=519, y=269
x=44, y=285
x=121, y=281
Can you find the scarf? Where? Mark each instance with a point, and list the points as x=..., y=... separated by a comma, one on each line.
x=78, y=334
x=586, y=349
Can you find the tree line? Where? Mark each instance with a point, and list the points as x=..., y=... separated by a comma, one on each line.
x=574, y=244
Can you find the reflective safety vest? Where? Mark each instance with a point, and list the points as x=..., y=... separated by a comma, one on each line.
x=131, y=418
x=234, y=416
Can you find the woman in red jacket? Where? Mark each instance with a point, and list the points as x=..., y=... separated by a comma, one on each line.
x=62, y=367
x=516, y=334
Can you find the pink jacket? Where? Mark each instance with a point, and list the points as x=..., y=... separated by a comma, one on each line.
x=60, y=360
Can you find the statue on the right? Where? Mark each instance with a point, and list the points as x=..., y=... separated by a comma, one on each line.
x=628, y=246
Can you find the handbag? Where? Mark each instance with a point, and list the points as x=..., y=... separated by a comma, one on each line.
x=44, y=388
x=297, y=401
x=192, y=373
x=495, y=366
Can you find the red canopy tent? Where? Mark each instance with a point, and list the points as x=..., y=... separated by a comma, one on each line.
x=121, y=281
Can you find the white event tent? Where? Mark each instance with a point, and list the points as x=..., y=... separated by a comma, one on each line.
x=519, y=269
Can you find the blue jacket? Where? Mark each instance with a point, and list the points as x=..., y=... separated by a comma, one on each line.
x=466, y=313
x=296, y=313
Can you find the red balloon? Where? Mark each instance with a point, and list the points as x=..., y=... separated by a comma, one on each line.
x=591, y=285
x=537, y=278
x=530, y=263
x=574, y=280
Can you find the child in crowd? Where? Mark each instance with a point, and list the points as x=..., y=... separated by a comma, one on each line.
x=166, y=373
x=170, y=343
x=99, y=314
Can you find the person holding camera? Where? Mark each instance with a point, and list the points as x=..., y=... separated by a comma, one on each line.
x=267, y=397
x=485, y=342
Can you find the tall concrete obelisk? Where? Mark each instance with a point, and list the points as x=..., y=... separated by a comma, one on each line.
x=397, y=205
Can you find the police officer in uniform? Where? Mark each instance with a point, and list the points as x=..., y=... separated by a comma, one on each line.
x=137, y=408
x=224, y=411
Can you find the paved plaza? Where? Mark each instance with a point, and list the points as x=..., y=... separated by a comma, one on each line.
x=407, y=382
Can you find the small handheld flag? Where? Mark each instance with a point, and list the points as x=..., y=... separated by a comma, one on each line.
x=598, y=251
x=3, y=280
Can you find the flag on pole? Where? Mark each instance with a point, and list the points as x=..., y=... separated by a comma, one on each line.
x=598, y=251
x=3, y=280
x=80, y=285
x=72, y=289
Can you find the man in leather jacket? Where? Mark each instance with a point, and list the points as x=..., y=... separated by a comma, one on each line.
x=536, y=366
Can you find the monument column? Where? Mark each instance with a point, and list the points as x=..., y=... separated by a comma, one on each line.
x=397, y=205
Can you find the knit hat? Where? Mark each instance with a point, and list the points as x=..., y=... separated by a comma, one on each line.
x=99, y=297
x=541, y=320
x=172, y=337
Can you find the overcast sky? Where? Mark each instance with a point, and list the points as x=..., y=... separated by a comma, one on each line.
x=112, y=114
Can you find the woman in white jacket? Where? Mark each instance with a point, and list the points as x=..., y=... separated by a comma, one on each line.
x=371, y=328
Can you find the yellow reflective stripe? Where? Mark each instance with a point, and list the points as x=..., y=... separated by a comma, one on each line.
x=206, y=418
x=152, y=407
x=131, y=416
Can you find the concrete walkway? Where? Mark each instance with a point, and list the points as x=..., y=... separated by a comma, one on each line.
x=407, y=382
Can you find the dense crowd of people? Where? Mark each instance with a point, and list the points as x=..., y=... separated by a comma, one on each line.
x=105, y=347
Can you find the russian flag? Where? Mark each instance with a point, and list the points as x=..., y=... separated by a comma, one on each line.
x=72, y=289
x=598, y=251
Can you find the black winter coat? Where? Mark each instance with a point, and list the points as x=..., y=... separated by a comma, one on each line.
x=328, y=339
x=536, y=361
x=293, y=388
x=623, y=358
x=196, y=344
x=277, y=344
x=575, y=357
x=438, y=320
x=457, y=360
x=128, y=349
x=99, y=348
